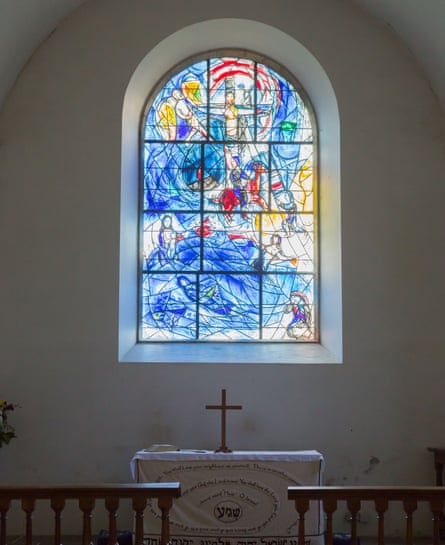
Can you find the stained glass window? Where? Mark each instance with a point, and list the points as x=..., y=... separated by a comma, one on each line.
x=228, y=206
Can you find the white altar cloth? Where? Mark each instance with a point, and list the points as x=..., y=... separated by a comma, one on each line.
x=237, y=498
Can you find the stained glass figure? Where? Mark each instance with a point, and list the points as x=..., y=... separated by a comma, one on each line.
x=228, y=207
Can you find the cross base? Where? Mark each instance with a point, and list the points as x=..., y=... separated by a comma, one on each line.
x=223, y=449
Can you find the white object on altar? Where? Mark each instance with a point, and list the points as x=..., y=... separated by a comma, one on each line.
x=236, y=498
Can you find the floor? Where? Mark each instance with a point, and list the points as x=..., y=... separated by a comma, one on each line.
x=76, y=540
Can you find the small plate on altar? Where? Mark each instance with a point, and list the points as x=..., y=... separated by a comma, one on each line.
x=160, y=447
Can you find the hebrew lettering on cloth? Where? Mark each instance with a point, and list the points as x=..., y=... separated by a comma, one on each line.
x=237, y=498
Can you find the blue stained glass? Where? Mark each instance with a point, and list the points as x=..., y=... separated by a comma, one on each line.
x=288, y=307
x=230, y=250
x=228, y=207
x=171, y=242
x=229, y=308
x=288, y=120
x=166, y=312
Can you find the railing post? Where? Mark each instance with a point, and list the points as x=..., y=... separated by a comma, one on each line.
x=329, y=506
x=57, y=505
x=86, y=505
x=112, y=505
x=302, y=506
x=354, y=508
x=4, y=507
x=381, y=506
x=165, y=504
x=28, y=505
x=139, y=505
x=409, y=506
x=436, y=505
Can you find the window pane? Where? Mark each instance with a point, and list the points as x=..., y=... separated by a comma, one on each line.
x=228, y=207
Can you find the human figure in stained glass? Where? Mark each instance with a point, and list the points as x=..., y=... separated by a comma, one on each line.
x=253, y=185
x=286, y=202
x=301, y=315
x=185, y=112
x=231, y=115
x=274, y=254
x=176, y=115
x=236, y=120
x=167, y=238
x=235, y=193
x=228, y=200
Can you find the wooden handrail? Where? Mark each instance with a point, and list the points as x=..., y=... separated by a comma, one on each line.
x=330, y=496
x=86, y=495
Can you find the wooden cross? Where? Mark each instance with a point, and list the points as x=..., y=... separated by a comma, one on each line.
x=223, y=408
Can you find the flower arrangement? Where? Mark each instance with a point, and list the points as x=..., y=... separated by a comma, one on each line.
x=7, y=432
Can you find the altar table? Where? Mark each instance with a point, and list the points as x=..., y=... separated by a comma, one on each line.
x=237, y=498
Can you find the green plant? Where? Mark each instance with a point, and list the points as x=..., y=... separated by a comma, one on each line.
x=7, y=432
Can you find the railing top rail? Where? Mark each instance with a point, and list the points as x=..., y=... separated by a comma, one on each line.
x=125, y=490
x=395, y=493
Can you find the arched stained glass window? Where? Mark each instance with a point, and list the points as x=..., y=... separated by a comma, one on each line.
x=228, y=205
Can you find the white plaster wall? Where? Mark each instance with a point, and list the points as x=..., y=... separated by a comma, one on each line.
x=83, y=415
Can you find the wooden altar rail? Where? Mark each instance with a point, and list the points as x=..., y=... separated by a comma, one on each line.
x=353, y=496
x=87, y=496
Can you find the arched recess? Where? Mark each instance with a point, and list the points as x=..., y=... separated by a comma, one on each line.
x=284, y=49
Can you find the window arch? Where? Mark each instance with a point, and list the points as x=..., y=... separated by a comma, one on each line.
x=228, y=205
x=287, y=50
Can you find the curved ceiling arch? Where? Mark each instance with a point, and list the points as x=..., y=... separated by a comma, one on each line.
x=26, y=24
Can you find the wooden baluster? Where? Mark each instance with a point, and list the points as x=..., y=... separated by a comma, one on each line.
x=139, y=505
x=329, y=506
x=409, y=506
x=112, y=505
x=436, y=509
x=381, y=506
x=5, y=504
x=28, y=505
x=354, y=508
x=301, y=505
x=86, y=505
x=165, y=504
x=57, y=505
